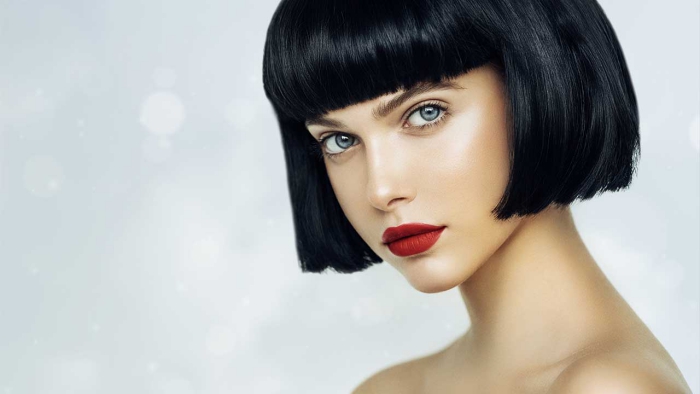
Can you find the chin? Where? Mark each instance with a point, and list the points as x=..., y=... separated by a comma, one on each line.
x=432, y=276
x=431, y=288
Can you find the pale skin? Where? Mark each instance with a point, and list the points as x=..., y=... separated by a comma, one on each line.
x=544, y=318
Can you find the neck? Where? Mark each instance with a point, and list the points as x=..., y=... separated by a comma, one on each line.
x=540, y=297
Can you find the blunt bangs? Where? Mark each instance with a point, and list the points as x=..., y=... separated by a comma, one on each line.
x=325, y=55
x=573, y=124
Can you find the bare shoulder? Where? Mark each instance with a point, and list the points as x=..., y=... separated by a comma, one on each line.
x=404, y=378
x=619, y=372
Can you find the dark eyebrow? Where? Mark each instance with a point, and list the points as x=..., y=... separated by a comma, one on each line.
x=384, y=109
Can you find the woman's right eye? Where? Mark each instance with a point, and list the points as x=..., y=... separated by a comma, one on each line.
x=341, y=141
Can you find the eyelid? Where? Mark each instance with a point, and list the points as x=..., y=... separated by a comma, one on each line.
x=420, y=104
x=321, y=139
x=424, y=103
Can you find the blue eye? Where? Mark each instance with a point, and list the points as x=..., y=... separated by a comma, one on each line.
x=427, y=112
x=342, y=140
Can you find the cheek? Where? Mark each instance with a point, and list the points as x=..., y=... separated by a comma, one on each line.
x=489, y=165
x=348, y=187
x=469, y=183
x=473, y=168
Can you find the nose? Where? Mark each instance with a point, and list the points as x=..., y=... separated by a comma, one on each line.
x=388, y=180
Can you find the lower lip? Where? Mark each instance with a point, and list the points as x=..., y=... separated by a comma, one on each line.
x=415, y=244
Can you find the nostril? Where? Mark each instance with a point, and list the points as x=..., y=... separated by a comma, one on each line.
x=396, y=201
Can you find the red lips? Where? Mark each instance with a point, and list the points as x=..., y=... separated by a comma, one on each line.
x=406, y=230
x=411, y=239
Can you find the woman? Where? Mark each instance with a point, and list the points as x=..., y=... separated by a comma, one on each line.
x=449, y=138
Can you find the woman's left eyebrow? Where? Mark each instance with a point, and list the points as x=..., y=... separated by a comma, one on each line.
x=384, y=109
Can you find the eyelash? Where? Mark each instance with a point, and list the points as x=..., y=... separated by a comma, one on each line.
x=318, y=148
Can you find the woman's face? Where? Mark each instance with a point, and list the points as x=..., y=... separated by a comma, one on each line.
x=451, y=173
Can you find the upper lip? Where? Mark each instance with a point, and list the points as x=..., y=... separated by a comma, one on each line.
x=391, y=234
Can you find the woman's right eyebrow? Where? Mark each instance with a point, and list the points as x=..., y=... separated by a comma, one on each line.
x=327, y=122
x=384, y=109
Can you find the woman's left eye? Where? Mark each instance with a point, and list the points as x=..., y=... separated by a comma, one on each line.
x=427, y=113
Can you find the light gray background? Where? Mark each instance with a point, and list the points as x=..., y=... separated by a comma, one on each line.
x=146, y=241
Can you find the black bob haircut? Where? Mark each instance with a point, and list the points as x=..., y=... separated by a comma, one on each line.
x=572, y=111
